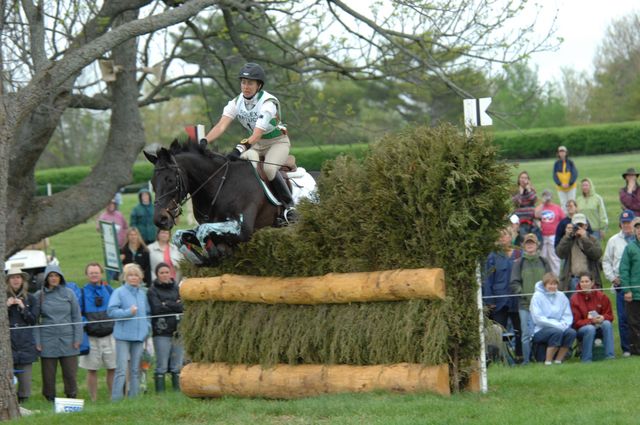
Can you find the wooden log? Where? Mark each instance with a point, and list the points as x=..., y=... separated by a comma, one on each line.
x=332, y=288
x=287, y=382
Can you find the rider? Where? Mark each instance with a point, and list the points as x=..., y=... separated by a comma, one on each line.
x=258, y=112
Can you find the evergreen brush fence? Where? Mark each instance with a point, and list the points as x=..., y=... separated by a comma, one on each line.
x=423, y=198
x=295, y=337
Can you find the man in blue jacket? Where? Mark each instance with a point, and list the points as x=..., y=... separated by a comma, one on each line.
x=94, y=301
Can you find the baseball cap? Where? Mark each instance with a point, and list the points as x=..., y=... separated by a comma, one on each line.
x=626, y=216
x=530, y=237
x=579, y=219
x=562, y=148
x=514, y=219
x=635, y=221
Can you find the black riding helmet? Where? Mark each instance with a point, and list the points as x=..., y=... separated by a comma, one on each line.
x=253, y=71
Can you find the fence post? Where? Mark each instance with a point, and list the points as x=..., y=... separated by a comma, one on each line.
x=49, y=189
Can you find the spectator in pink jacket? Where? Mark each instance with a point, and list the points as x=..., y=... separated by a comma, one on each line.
x=112, y=215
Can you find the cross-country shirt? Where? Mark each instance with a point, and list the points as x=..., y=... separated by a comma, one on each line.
x=550, y=216
x=261, y=111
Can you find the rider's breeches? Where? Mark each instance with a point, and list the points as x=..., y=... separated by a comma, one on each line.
x=275, y=152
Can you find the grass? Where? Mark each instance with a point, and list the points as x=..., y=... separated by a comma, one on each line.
x=574, y=392
x=570, y=393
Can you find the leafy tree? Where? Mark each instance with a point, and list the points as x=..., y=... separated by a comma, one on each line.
x=615, y=95
x=48, y=65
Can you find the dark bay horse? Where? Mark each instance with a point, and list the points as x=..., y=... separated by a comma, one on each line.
x=223, y=192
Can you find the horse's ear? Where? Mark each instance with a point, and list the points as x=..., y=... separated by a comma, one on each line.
x=151, y=156
x=175, y=146
x=164, y=155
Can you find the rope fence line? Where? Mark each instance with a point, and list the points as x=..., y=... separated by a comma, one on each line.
x=612, y=289
x=176, y=315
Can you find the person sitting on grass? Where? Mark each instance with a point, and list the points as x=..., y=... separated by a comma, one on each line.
x=592, y=317
x=552, y=318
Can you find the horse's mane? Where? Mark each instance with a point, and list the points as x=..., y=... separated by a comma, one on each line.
x=188, y=146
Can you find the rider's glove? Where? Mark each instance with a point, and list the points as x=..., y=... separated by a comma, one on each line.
x=234, y=155
x=203, y=143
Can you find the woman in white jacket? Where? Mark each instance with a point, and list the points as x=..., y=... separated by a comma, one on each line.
x=552, y=317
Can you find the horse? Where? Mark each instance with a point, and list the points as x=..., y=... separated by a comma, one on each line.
x=226, y=194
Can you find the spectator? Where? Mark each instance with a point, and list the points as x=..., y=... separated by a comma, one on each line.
x=572, y=208
x=592, y=206
x=102, y=354
x=163, y=251
x=516, y=239
x=58, y=306
x=630, y=193
x=526, y=271
x=550, y=215
x=135, y=251
x=112, y=215
x=164, y=300
x=551, y=314
x=525, y=203
x=611, y=266
x=129, y=302
x=142, y=217
x=23, y=311
x=565, y=175
x=580, y=252
x=630, y=283
x=592, y=317
x=497, y=278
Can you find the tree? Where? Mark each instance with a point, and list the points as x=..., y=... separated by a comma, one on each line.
x=47, y=48
x=615, y=95
x=32, y=102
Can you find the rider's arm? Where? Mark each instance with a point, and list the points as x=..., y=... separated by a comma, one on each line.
x=219, y=128
x=255, y=136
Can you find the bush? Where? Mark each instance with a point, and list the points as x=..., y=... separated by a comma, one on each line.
x=583, y=140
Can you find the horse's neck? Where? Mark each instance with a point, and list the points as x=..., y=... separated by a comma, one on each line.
x=200, y=172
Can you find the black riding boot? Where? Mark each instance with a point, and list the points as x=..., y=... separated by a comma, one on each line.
x=283, y=194
x=175, y=381
x=159, y=380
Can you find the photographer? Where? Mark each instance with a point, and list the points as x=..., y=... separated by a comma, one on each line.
x=102, y=354
x=580, y=252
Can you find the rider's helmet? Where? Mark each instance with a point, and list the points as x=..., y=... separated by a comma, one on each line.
x=253, y=71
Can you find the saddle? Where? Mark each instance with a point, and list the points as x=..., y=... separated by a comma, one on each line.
x=289, y=166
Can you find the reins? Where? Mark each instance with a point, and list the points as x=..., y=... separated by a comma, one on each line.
x=180, y=188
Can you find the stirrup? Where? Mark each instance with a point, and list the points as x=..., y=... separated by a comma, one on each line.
x=290, y=215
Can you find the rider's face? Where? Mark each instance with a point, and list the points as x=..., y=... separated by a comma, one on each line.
x=249, y=87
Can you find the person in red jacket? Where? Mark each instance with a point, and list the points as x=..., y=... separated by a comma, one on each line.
x=592, y=317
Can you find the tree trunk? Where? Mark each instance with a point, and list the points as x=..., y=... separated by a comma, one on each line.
x=332, y=288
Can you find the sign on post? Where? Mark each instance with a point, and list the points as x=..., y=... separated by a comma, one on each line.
x=110, y=246
x=475, y=113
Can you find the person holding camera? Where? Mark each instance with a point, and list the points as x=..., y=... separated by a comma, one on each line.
x=94, y=301
x=23, y=311
x=580, y=252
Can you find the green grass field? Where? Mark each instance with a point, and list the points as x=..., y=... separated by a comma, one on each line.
x=584, y=393
x=596, y=393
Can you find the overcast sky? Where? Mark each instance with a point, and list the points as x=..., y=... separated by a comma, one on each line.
x=582, y=24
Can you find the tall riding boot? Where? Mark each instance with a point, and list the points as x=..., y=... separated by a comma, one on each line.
x=159, y=381
x=284, y=195
x=175, y=381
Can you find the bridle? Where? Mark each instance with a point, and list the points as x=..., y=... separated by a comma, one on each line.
x=183, y=192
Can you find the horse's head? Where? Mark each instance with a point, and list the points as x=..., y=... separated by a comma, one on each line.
x=170, y=186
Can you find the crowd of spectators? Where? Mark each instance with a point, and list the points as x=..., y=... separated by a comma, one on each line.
x=548, y=266
x=96, y=327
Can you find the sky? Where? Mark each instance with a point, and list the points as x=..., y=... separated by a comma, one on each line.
x=582, y=25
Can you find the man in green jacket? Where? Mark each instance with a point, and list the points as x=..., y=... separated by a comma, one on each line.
x=630, y=284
